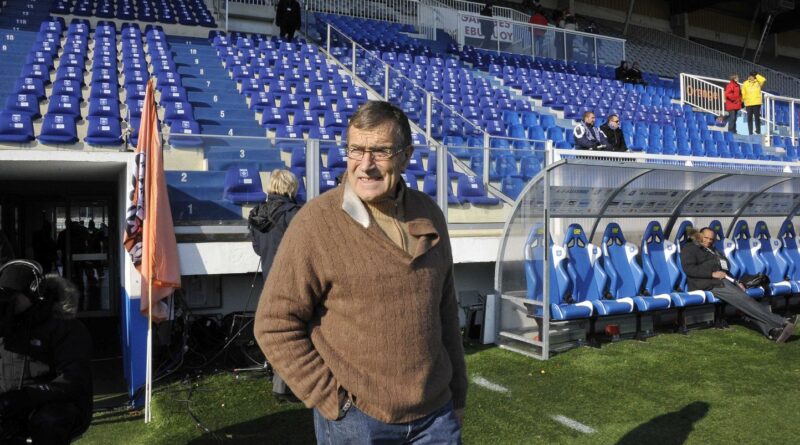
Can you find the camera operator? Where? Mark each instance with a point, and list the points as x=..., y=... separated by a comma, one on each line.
x=38, y=321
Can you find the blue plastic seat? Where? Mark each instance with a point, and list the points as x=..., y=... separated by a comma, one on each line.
x=243, y=186
x=104, y=107
x=103, y=130
x=471, y=189
x=30, y=85
x=23, y=103
x=184, y=133
x=58, y=129
x=67, y=105
x=662, y=268
x=15, y=127
x=624, y=273
x=747, y=254
x=564, y=305
x=429, y=188
x=790, y=251
x=177, y=111
x=777, y=268
x=589, y=280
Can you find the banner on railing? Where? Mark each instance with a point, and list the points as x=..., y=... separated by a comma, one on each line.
x=704, y=93
x=471, y=28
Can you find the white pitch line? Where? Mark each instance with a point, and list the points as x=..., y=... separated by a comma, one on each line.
x=480, y=381
x=574, y=424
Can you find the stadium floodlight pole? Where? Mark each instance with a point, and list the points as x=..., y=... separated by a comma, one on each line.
x=628, y=17
x=226, y=15
x=329, y=39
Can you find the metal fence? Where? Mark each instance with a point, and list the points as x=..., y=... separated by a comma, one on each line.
x=691, y=56
x=704, y=93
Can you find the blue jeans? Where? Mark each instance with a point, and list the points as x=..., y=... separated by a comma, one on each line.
x=439, y=427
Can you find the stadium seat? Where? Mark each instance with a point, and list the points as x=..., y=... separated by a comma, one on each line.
x=23, y=103
x=185, y=133
x=470, y=189
x=429, y=187
x=624, y=273
x=15, y=127
x=589, y=280
x=563, y=305
x=104, y=107
x=58, y=129
x=791, y=253
x=410, y=179
x=243, y=186
x=662, y=269
x=777, y=269
x=103, y=130
x=747, y=254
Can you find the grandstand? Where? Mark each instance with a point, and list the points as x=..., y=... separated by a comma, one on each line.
x=573, y=248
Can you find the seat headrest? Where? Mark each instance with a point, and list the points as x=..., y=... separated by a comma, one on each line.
x=653, y=233
x=575, y=236
x=761, y=231
x=741, y=230
x=613, y=235
x=787, y=230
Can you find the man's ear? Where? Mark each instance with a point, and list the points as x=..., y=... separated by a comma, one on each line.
x=407, y=153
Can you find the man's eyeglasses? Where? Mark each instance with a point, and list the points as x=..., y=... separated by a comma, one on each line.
x=378, y=153
x=615, y=122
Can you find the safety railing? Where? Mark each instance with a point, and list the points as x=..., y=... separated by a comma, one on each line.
x=705, y=93
x=710, y=61
x=422, y=105
x=475, y=8
x=751, y=165
x=401, y=11
x=780, y=116
x=538, y=41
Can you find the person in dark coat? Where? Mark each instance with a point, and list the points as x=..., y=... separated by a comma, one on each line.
x=268, y=222
x=621, y=72
x=287, y=17
x=707, y=269
x=56, y=406
x=487, y=26
x=615, y=140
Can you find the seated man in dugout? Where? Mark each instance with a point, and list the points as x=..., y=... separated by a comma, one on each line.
x=707, y=269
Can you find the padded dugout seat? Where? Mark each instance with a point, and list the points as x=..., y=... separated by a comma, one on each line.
x=747, y=254
x=589, y=280
x=662, y=268
x=560, y=283
x=791, y=253
x=625, y=275
x=777, y=269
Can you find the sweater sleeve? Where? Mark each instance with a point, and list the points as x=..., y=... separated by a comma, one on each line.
x=453, y=342
x=760, y=79
x=285, y=312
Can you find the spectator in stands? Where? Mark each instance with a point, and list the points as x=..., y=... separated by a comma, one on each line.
x=615, y=140
x=359, y=313
x=487, y=26
x=751, y=96
x=707, y=269
x=621, y=72
x=268, y=222
x=587, y=136
x=635, y=74
x=538, y=18
x=733, y=101
x=287, y=17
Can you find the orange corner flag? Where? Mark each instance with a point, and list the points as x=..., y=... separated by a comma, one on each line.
x=149, y=233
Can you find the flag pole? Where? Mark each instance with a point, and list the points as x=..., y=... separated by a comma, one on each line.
x=148, y=386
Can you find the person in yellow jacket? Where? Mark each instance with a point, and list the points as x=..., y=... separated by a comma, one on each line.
x=751, y=96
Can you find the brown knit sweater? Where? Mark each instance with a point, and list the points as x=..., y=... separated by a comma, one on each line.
x=345, y=309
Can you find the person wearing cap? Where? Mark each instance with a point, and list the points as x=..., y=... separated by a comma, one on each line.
x=751, y=96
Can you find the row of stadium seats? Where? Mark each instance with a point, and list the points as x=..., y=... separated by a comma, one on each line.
x=587, y=281
x=183, y=12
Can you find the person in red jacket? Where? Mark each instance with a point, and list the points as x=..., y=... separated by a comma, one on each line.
x=538, y=18
x=733, y=101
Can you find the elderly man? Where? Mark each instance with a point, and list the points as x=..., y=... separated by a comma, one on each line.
x=359, y=313
x=707, y=269
x=587, y=136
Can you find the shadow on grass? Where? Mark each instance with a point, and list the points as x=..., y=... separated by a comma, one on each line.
x=295, y=426
x=667, y=429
